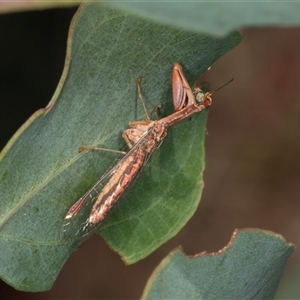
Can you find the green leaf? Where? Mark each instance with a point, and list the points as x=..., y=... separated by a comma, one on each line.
x=42, y=174
x=216, y=17
x=249, y=267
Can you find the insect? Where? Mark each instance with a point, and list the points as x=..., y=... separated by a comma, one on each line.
x=143, y=138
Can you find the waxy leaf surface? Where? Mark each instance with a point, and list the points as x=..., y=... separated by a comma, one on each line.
x=249, y=267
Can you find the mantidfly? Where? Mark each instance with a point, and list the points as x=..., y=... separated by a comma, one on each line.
x=143, y=138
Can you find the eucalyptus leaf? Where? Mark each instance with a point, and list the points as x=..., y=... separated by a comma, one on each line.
x=42, y=174
x=249, y=267
x=216, y=17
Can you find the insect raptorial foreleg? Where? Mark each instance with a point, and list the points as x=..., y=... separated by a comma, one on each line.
x=182, y=92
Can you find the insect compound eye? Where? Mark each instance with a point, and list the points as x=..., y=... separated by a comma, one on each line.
x=199, y=96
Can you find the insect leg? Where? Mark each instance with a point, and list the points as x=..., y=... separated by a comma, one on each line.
x=84, y=148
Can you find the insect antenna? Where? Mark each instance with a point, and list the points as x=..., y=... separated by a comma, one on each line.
x=223, y=85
